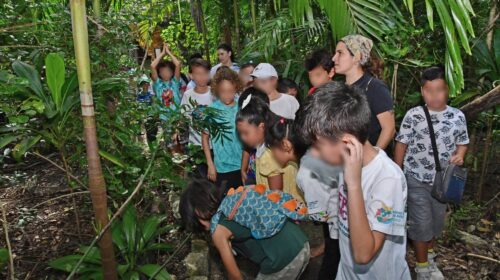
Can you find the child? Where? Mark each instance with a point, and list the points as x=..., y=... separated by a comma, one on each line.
x=280, y=248
x=245, y=74
x=372, y=192
x=319, y=66
x=319, y=183
x=289, y=87
x=266, y=79
x=199, y=70
x=166, y=79
x=248, y=174
x=225, y=170
x=145, y=93
x=251, y=122
x=414, y=154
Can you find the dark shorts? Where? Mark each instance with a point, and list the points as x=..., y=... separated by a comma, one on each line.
x=425, y=213
x=229, y=180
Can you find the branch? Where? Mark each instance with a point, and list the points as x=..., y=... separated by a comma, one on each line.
x=482, y=257
x=9, y=248
x=484, y=102
x=60, y=168
x=58, y=197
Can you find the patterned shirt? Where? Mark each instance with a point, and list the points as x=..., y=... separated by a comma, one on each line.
x=450, y=129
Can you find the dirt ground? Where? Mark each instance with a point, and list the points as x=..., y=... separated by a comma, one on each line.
x=42, y=227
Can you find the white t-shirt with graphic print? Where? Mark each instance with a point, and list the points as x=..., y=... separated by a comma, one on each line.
x=384, y=193
x=203, y=99
x=450, y=129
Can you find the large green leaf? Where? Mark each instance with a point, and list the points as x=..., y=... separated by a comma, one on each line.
x=55, y=73
x=149, y=229
x=129, y=227
x=6, y=140
x=28, y=72
x=150, y=269
x=21, y=148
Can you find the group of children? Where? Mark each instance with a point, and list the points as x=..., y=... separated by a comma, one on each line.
x=327, y=154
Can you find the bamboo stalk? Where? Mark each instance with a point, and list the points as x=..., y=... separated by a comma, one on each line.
x=97, y=185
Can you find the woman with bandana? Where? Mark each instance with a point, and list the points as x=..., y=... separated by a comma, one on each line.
x=352, y=59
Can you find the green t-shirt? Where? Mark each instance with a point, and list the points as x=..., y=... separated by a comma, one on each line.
x=271, y=254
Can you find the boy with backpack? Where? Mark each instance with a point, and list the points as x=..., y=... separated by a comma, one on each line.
x=415, y=154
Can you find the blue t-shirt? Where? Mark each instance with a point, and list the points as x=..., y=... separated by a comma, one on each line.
x=168, y=93
x=227, y=148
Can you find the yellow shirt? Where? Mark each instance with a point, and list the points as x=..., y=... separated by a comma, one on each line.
x=266, y=166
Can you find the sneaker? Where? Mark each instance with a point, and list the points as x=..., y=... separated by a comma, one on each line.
x=436, y=273
x=428, y=272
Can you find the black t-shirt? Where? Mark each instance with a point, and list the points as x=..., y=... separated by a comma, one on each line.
x=380, y=100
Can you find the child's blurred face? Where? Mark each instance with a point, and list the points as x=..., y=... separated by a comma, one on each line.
x=200, y=75
x=283, y=153
x=330, y=150
x=435, y=93
x=267, y=85
x=165, y=73
x=245, y=77
x=292, y=91
x=252, y=135
x=223, y=55
x=226, y=92
x=145, y=86
x=319, y=76
x=343, y=59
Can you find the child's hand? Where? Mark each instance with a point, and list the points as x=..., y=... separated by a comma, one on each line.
x=353, y=162
x=212, y=173
x=457, y=159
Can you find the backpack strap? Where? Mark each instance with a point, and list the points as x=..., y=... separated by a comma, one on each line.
x=435, y=152
x=238, y=203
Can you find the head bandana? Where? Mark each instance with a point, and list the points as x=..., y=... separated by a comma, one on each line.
x=358, y=44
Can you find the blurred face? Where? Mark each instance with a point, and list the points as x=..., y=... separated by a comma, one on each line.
x=283, y=153
x=145, y=87
x=319, y=76
x=165, y=73
x=226, y=92
x=224, y=56
x=267, y=85
x=245, y=77
x=252, y=135
x=200, y=75
x=292, y=91
x=343, y=59
x=435, y=94
x=330, y=150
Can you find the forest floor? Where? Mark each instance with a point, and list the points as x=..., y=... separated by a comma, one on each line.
x=42, y=227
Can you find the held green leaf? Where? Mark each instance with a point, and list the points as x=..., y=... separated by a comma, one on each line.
x=55, y=72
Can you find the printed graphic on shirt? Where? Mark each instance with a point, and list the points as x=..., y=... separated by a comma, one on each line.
x=450, y=128
x=167, y=97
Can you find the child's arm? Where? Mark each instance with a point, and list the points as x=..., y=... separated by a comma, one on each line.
x=205, y=143
x=365, y=242
x=388, y=124
x=154, y=64
x=222, y=241
x=176, y=61
x=399, y=153
x=275, y=182
x=458, y=157
x=245, y=157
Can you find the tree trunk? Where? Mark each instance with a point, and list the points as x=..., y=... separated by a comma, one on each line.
x=195, y=14
x=97, y=185
x=482, y=103
x=236, y=24
x=204, y=29
x=254, y=18
x=96, y=6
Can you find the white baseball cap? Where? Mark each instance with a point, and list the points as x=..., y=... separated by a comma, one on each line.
x=264, y=70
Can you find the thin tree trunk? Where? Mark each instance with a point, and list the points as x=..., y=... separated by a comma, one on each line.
x=97, y=185
x=486, y=157
x=236, y=24
x=491, y=22
x=204, y=30
x=96, y=7
x=254, y=18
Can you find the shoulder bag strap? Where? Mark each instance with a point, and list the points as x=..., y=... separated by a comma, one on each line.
x=433, y=138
